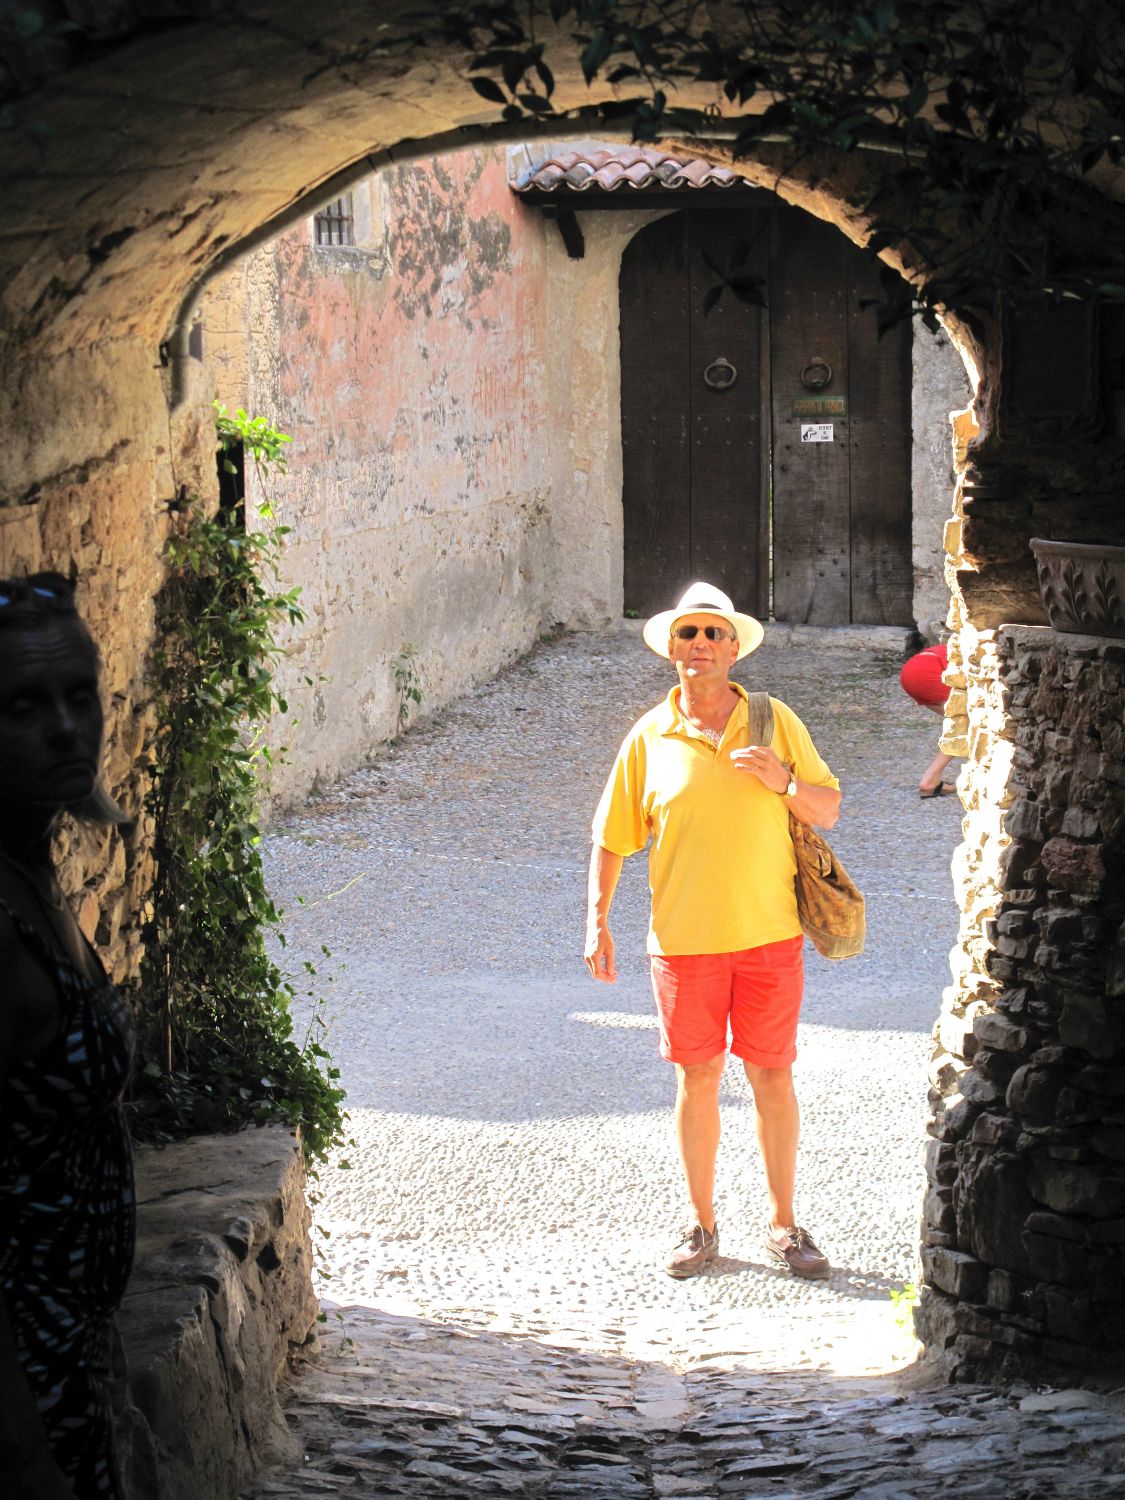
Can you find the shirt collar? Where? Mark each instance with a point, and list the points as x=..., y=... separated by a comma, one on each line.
x=671, y=721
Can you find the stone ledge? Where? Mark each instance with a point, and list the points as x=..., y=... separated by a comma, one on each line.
x=220, y=1293
x=1043, y=637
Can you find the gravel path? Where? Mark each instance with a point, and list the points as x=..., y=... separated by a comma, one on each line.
x=515, y=1167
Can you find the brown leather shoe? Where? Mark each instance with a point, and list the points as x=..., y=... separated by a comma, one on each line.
x=794, y=1248
x=693, y=1252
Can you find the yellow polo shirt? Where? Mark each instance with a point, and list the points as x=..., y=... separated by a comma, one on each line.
x=721, y=866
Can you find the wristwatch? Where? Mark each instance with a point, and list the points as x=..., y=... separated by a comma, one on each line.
x=791, y=789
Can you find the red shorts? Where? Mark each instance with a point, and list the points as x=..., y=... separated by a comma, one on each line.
x=758, y=991
x=921, y=676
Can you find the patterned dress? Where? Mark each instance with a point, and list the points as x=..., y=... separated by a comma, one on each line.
x=67, y=1215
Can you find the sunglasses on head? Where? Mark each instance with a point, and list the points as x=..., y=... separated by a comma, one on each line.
x=712, y=632
x=49, y=586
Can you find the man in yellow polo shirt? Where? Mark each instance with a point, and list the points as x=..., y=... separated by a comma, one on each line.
x=724, y=939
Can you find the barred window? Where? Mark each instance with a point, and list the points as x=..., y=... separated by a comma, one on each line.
x=335, y=223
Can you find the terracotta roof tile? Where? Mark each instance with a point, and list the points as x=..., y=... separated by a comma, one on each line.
x=619, y=169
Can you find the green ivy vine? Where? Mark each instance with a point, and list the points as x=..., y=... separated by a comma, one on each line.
x=218, y=1048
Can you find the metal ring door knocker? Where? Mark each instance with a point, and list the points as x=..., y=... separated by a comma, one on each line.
x=720, y=374
x=816, y=374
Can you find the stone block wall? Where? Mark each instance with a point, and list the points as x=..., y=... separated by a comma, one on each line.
x=220, y=1297
x=1023, y=1238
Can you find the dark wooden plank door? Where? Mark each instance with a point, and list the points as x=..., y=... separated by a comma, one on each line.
x=699, y=461
x=692, y=453
x=729, y=425
x=841, y=509
x=655, y=297
x=879, y=437
x=809, y=321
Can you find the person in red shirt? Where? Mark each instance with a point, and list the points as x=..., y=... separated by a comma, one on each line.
x=922, y=676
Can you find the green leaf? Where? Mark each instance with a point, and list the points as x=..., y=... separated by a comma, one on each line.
x=594, y=54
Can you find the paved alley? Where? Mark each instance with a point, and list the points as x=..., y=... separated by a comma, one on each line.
x=498, y=1322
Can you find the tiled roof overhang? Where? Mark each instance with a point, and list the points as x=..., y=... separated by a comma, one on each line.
x=624, y=176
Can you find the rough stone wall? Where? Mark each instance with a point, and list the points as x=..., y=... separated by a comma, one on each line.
x=411, y=373
x=1024, y=1222
x=92, y=495
x=220, y=1297
x=940, y=385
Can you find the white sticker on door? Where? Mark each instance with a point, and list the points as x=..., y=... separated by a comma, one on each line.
x=816, y=432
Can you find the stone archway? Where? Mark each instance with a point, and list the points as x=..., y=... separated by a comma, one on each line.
x=1023, y=1216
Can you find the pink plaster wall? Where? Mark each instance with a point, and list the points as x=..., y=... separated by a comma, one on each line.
x=410, y=371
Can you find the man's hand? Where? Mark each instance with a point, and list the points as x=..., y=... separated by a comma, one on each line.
x=761, y=762
x=819, y=805
x=599, y=955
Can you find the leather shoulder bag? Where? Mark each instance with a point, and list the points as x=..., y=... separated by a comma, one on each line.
x=830, y=906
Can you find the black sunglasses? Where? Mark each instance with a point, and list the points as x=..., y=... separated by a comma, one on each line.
x=712, y=632
x=51, y=586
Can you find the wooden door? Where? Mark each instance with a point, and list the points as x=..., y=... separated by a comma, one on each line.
x=699, y=463
x=841, y=434
x=694, y=451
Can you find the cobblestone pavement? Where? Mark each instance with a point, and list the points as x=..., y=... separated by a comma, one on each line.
x=406, y=1407
x=514, y=1187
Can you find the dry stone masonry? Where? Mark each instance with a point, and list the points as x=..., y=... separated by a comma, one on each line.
x=1024, y=1219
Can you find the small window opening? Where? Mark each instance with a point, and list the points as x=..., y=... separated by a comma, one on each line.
x=335, y=223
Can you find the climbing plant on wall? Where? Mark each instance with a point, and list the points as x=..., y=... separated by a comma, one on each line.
x=217, y=1036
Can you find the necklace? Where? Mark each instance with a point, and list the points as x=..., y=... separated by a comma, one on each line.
x=713, y=734
x=52, y=896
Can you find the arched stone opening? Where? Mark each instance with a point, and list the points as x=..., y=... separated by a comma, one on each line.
x=1023, y=1217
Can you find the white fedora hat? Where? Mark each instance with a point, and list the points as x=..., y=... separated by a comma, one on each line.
x=704, y=599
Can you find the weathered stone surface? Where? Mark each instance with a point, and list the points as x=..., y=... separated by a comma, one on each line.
x=1027, y=820
x=998, y=1032
x=221, y=1293
x=1059, y=1226
x=1109, y=1143
x=736, y=1424
x=992, y=1207
x=1073, y=1188
x=1050, y=1259
x=1001, y=1293
x=960, y=1275
x=940, y=1160
x=995, y=1130
x=1092, y=1023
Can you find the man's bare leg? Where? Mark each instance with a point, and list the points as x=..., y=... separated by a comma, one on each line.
x=697, y=1132
x=933, y=772
x=779, y=1126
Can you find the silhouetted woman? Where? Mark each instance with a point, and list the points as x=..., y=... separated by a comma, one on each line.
x=66, y=1175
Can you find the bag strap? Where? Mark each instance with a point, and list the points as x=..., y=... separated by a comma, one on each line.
x=759, y=719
